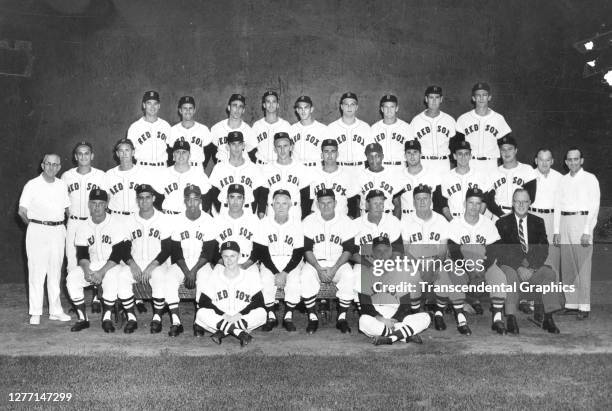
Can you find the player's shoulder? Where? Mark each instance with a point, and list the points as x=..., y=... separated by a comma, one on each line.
x=219, y=126
x=138, y=123
x=68, y=174
x=391, y=220
x=468, y=115
x=362, y=124
x=311, y=220
x=336, y=123
x=160, y=122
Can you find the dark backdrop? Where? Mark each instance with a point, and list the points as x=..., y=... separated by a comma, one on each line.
x=94, y=59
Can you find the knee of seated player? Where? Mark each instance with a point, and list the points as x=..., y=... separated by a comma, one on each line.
x=207, y=319
x=256, y=318
x=546, y=275
x=494, y=275
x=369, y=325
x=510, y=273
x=418, y=322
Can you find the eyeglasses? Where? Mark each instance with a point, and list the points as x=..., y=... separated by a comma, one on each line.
x=48, y=164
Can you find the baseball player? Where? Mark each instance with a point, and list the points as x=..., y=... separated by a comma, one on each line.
x=340, y=179
x=329, y=242
x=102, y=244
x=434, y=129
x=149, y=134
x=460, y=179
x=42, y=207
x=279, y=245
x=413, y=175
x=194, y=245
x=266, y=127
x=482, y=127
x=351, y=133
x=234, y=122
x=232, y=301
x=377, y=177
x=237, y=170
x=385, y=316
x=189, y=130
x=80, y=181
x=287, y=174
x=391, y=132
x=307, y=134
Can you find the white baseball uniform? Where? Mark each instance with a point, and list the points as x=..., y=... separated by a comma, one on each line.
x=455, y=186
x=392, y=138
x=351, y=139
x=409, y=181
x=121, y=186
x=291, y=177
x=241, y=230
x=386, y=180
x=248, y=175
x=434, y=134
x=307, y=142
x=219, y=134
x=263, y=133
x=342, y=181
x=150, y=141
x=506, y=180
x=172, y=184
x=198, y=136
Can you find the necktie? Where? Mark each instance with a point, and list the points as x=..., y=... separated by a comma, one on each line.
x=522, y=236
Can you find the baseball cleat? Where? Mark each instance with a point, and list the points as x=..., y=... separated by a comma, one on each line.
x=245, y=338
x=525, y=307
x=141, y=307
x=312, y=326
x=130, y=326
x=269, y=325
x=96, y=307
x=155, y=327
x=107, y=326
x=439, y=323
x=79, y=325
x=175, y=330
x=582, y=315
x=464, y=329
x=381, y=340
x=217, y=337
x=550, y=326
x=416, y=338
x=198, y=331
x=512, y=325
x=569, y=311
x=289, y=326
x=478, y=308
x=499, y=327
x=343, y=326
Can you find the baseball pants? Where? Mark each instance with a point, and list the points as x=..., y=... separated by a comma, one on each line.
x=344, y=280
x=576, y=262
x=71, y=229
x=157, y=281
x=173, y=279
x=554, y=253
x=544, y=275
x=45, y=251
x=117, y=282
x=209, y=320
x=292, y=286
x=372, y=327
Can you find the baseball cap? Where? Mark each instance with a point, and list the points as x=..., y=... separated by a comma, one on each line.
x=373, y=148
x=98, y=194
x=303, y=99
x=230, y=245
x=281, y=134
x=433, y=90
x=235, y=189
x=481, y=86
x=281, y=192
x=474, y=192
x=123, y=141
x=234, y=136
x=237, y=97
x=462, y=145
x=507, y=139
x=82, y=144
x=192, y=189
x=421, y=188
x=326, y=192
x=269, y=93
x=150, y=95
x=181, y=145
x=375, y=193
x=329, y=142
x=348, y=94
x=412, y=145
x=186, y=100
x=144, y=188
x=381, y=240
x=388, y=98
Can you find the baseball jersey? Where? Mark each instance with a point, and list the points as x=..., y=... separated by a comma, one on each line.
x=307, y=141
x=147, y=235
x=454, y=187
x=385, y=180
x=482, y=132
x=366, y=231
x=351, y=139
x=263, y=133
x=172, y=185
x=121, y=186
x=219, y=133
x=547, y=189
x=45, y=201
x=506, y=180
x=291, y=177
x=422, y=237
x=198, y=136
x=433, y=133
x=392, y=138
x=79, y=186
x=248, y=175
x=342, y=181
x=241, y=230
x=100, y=238
x=150, y=140
x=409, y=181
x=328, y=236
x=483, y=232
x=192, y=234
x=231, y=295
x=281, y=239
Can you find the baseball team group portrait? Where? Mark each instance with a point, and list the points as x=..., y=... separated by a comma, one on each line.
x=327, y=205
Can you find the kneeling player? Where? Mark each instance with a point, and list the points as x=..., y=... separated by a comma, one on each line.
x=385, y=315
x=231, y=301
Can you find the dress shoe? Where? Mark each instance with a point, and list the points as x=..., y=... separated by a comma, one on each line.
x=198, y=331
x=269, y=325
x=343, y=326
x=582, y=315
x=499, y=327
x=550, y=326
x=439, y=323
x=381, y=340
x=245, y=338
x=416, y=338
x=512, y=324
x=175, y=330
x=464, y=329
x=525, y=307
x=35, y=320
x=289, y=326
x=155, y=327
x=96, y=307
x=569, y=311
x=80, y=325
x=107, y=326
x=538, y=314
x=141, y=307
x=59, y=317
x=312, y=326
x=217, y=337
x=130, y=326
x=478, y=310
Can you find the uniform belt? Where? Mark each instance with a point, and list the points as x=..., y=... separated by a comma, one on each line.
x=574, y=212
x=109, y=211
x=311, y=164
x=351, y=163
x=73, y=217
x=506, y=208
x=144, y=163
x=407, y=211
x=170, y=212
x=392, y=163
x=542, y=210
x=194, y=163
x=434, y=157
x=46, y=222
x=485, y=158
x=456, y=214
x=246, y=205
x=258, y=161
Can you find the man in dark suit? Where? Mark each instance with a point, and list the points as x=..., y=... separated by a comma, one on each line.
x=523, y=251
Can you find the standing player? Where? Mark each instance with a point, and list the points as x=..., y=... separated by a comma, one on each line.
x=234, y=122
x=329, y=243
x=391, y=132
x=434, y=129
x=149, y=134
x=189, y=130
x=482, y=127
x=279, y=245
x=377, y=177
x=80, y=181
x=266, y=127
x=307, y=134
x=351, y=133
x=42, y=207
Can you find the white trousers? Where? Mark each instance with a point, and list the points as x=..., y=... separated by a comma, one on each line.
x=292, y=285
x=117, y=282
x=344, y=280
x=372, y=327
x=208, y=319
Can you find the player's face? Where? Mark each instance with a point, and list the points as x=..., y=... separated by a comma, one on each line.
x=349, y=107
x=472, y=206
x=463, y=157
x=83, y=156
x=151, y=107
x=433, y=101
x=281, y=205
x=97, y=208
x=304, y=111
x=181, y=157
x=508, y=152
x=283, y=148
x=413, y=157
x=481, y=98
x=544, y=161
x=422, y=202
x=382, y=252
x=236, y=110
x=326, y=205
x=51, y=165
x=187, y=111
x=329, y=155
x=376, y=205
x=389, y=110
x=375, y=160
x=236, y=148
x=145, y=201
x=521, y=203
x=230, y=258
x=270, y=104
x=193, y=202
x=574, y=160
x=235, y=202
x=125, y=153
